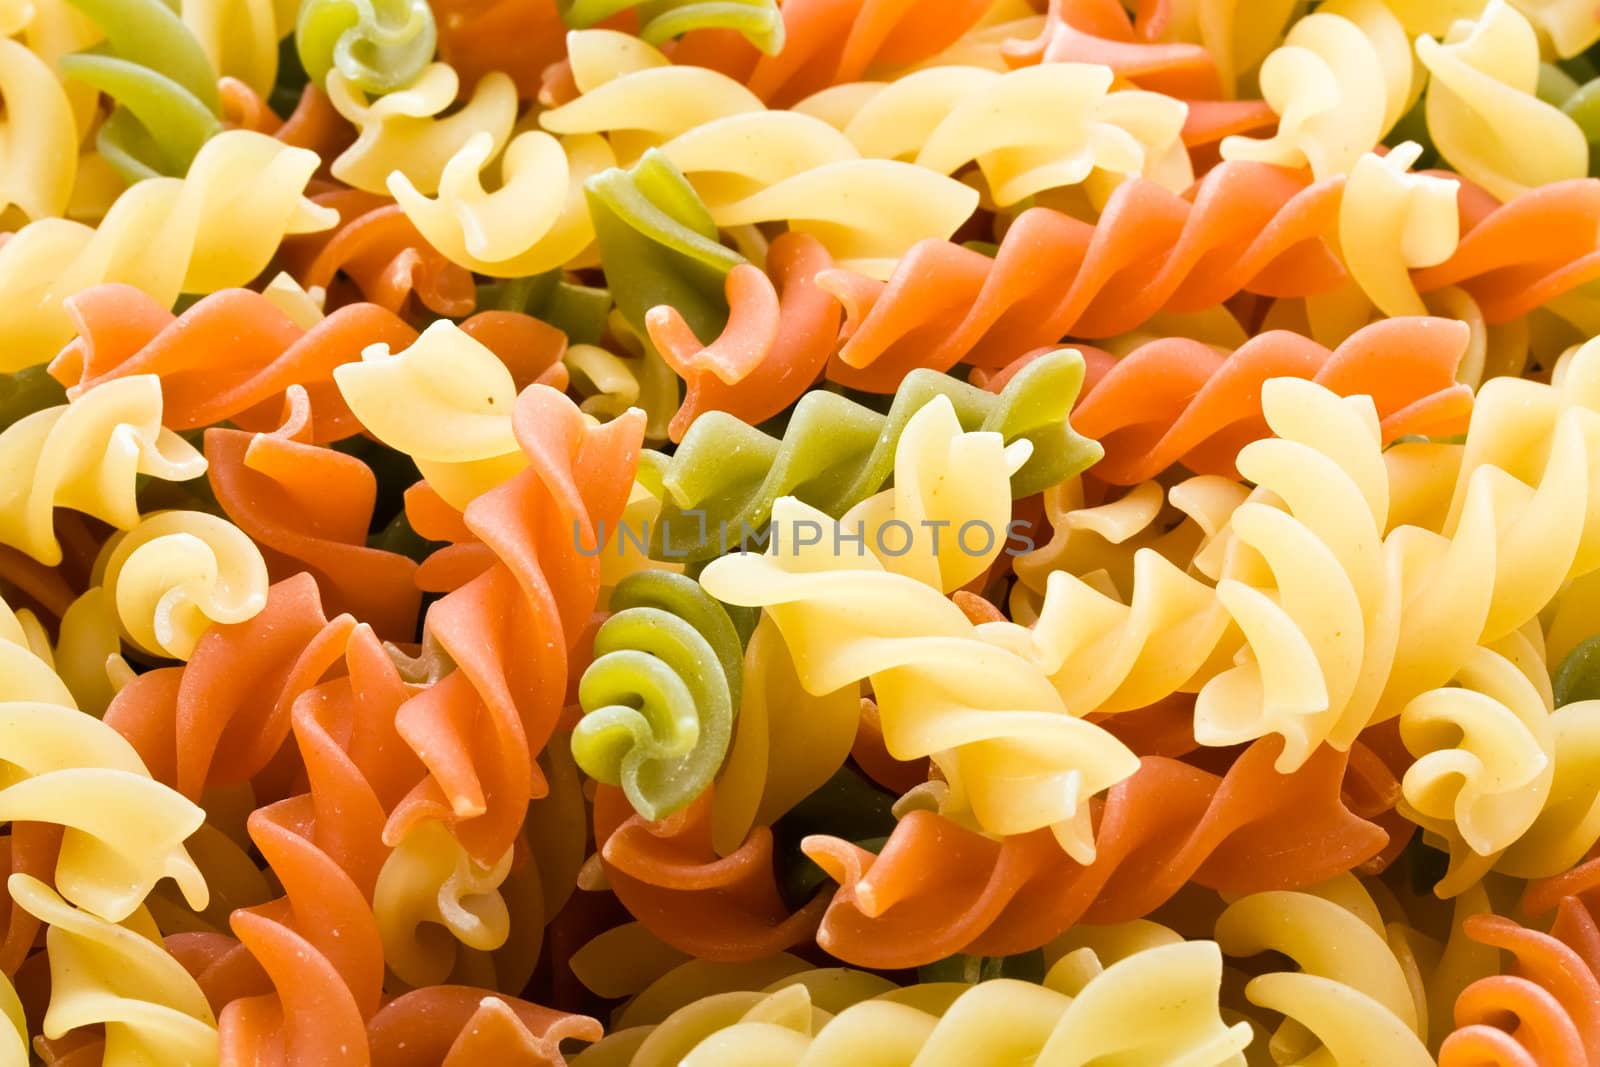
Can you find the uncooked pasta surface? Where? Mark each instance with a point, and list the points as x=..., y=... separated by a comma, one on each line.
x=800, y=533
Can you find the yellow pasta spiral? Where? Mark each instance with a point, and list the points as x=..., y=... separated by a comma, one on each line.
x=121, y=977
x=1009, y=750
x=124, y=830
x=176, y=573
x=216, y=227
x=87, y=455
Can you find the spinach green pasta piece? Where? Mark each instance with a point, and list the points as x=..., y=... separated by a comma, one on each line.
x=380, y=45
x=1578, y=677
x=661, y=20
x=722, y=481
x=658, y=245
x=27, y=391
x=579, y=311
x=660, y=697
x=164, y=87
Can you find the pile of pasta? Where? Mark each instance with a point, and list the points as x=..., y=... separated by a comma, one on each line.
x=841, y=533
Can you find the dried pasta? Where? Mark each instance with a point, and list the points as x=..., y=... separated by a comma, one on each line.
x=804, y=532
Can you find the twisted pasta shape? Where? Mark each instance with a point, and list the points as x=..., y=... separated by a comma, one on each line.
x=835, y=453
x=222, y=717
x=660, y=696
x=1177, y=400
x=402, y=131
x=378, y=45
x=1249, y=227
x=944, y=118
x=308, y=509
x=457, y=1026
x=990, y=719
x=658, y=244
x=829, y=43
x=514, y=628
x=935, y=889
x=319, y=944
x=382, y=253
x=534, y=222
x=1339, y=82
x=124, y=831
x=753, y=166
x=87, y=455
x=705, y=879
x=165, y=236
x=1542, y=1012
x=1484, y=76
x=1320, y=650
x=445, y=401
x=163, y=84
x=1075, y=1017
x=38, y=141
x=1351, y=995
x=781, y=330
x=177, y=573
x=1383, y=198
x=121, y=977
x=757, y=21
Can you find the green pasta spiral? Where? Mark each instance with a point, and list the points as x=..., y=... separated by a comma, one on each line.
x=164, y=87
x=759, y=21
x=722, y=481
x=660, y=697
x=1578, y=677
x=658, y=245
x=380, y=45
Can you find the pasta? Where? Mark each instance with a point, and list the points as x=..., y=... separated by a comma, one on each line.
x=164, y=236
x=837, y=453
x=378, y=47
x=162, y=81
x=818, y=532
x=660, y=696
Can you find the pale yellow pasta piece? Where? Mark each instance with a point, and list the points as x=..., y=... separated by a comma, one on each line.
x=1382, y=200
x=1351, y=997
x=120, y=977
x=1485, y=758
x=14, y=1032
x=1483, y=112
x=642, y=106
x=1339, y=82
x=446, y=402
x=215, y=228
x=624, y=961
x=536, y=221
x=304, y=307
x=599, y=56
x=86, y=455
x=1171, y=990
x=1036, y=128
x=88, y=655
x=240, y=37
x=430, y=895
x=178, y=572
x=867, y=212
x=124, y=831
x=786, y=744
x=1571, y=25
x=1307, y=582
x=951, y=497
x=1009, y=750
x=730, y=158
x=38, y=136
x=406, y=131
